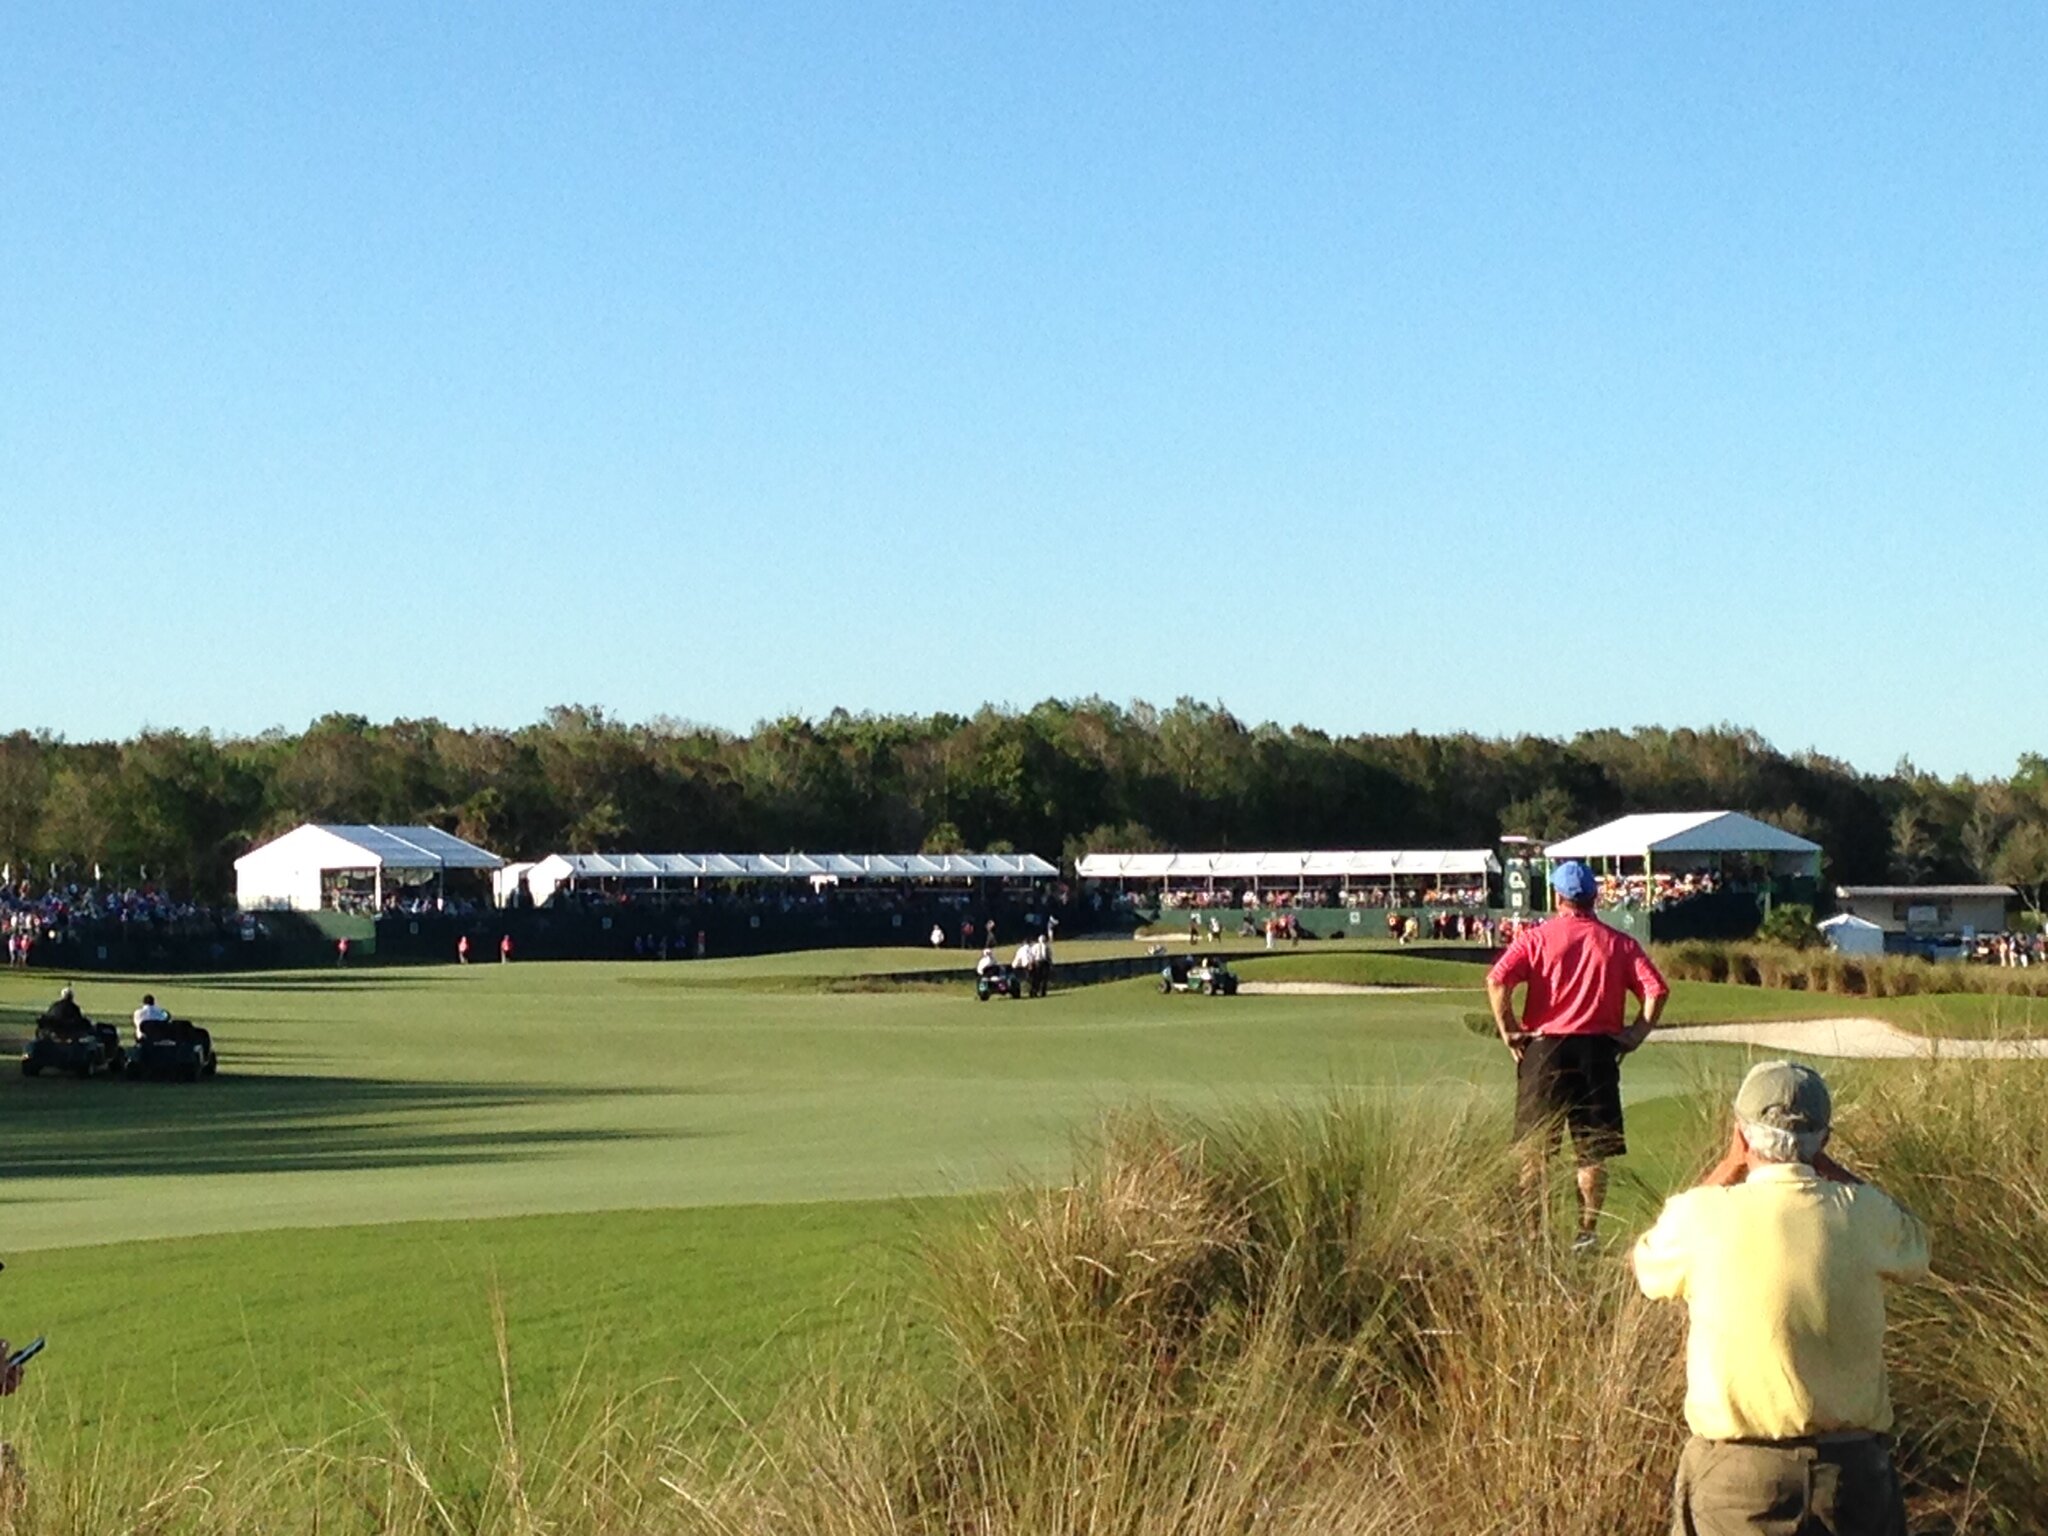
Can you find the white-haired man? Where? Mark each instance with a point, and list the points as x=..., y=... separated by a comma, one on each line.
x=1780, y=1256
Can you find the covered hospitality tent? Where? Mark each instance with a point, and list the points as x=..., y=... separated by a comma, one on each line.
x=1654, y=858
x=1465, y=869
x=327, y=865
x=656, y=872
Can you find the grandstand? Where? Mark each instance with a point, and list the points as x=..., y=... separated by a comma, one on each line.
x=656, y=874
x=1345, y=882
x=1693, y=874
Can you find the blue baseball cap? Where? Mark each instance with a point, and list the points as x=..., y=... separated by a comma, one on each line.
x=1573, y=881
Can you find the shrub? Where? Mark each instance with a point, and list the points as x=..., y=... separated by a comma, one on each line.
x=1790, y=926
x=1752, y=963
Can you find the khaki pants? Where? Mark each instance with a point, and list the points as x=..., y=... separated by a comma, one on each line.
x=1842, y=1488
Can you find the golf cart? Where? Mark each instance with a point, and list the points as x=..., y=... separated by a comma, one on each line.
x=1197, y=973
x=75, y=1045
x=176, y=1049
x=998, y=981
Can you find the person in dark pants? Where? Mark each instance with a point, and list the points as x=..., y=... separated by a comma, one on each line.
x=1781, y=1255
x=1570, y=1039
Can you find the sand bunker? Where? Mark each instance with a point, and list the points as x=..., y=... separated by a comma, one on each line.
x=1864, y=1038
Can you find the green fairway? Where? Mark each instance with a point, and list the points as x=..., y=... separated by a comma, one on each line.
x=445, y=1094
x=294, y=1338
x=658, y=1173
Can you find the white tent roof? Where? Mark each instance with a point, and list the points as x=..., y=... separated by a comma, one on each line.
x=336, y=845
x=1848, y=920
x=1922, y=892
x=1680, y=832
x=1287, y=866
x=793, y=866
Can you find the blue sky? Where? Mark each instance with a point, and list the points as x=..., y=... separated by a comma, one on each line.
x=1512, y=368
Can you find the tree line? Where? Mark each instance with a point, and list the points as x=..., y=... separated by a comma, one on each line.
x=1059, y=778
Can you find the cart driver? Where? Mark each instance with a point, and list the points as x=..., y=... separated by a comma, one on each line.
x=149, y=1013
x=986, y=963
x=65, y=1012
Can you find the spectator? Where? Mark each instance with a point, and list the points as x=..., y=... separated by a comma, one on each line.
x=1781, y=1256
x=1569, y=1042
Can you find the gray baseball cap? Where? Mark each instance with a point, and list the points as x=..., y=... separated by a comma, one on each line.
x=1785, y=1095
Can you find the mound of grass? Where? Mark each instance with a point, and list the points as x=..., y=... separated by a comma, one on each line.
x=1367, y=968
x=1333, y=1321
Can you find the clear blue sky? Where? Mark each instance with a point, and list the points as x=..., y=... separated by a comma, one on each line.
x=726, y=360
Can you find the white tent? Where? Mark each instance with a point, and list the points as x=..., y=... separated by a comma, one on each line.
x=291, y=872
x=1255, y=868
x=1848, y=934
x=1679, y=832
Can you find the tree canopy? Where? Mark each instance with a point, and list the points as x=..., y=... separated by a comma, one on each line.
x=1064, y=775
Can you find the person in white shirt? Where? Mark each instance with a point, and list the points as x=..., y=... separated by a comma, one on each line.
x=1041, y=963
x=986, y=963
x=149, y=1013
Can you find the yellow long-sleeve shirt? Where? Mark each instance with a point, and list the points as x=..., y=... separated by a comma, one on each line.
x=1783, y=1279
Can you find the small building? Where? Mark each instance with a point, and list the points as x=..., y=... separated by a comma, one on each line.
x=1929, y=911
x=353, y=868
x=1848, y=934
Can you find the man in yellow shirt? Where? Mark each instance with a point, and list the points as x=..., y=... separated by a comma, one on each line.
x=1780, y=1256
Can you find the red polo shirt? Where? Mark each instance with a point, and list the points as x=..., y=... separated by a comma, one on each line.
x=1579, y=972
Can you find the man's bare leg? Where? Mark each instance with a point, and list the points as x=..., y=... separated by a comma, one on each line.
x=1592, y=1195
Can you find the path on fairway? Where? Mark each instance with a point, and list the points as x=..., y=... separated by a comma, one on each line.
x=1864, y=1039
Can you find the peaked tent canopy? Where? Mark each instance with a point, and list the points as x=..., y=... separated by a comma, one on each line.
x=1661, y=832
x=292, y=871
x=1848, y=934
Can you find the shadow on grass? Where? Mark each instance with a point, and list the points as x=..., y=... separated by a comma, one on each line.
x=340, y=981
x=105, y=1128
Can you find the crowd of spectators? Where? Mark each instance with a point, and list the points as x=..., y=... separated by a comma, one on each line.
x=1325, y=897
x=52, y=909
x=419, y=902
x=2018, y=950
x=1658, y=890
x=46, y=922
x=763, y=898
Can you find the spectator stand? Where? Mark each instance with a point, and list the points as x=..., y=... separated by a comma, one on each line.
x=659, y=906
x=345, y=877
x=1692, y=874
x=1329, y=893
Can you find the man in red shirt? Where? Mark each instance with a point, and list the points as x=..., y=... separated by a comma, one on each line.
x=1570, y=1039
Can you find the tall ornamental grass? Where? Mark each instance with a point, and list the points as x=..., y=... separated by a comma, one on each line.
x=1756, y=964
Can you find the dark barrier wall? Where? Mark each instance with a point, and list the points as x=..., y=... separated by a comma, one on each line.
x=282, y=940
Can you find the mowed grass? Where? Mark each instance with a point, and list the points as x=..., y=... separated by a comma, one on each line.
x=660, y=1179
x=350, y=1337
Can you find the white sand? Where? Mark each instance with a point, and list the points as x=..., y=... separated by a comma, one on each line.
x=1859, y=1037
x=1864, y=1038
